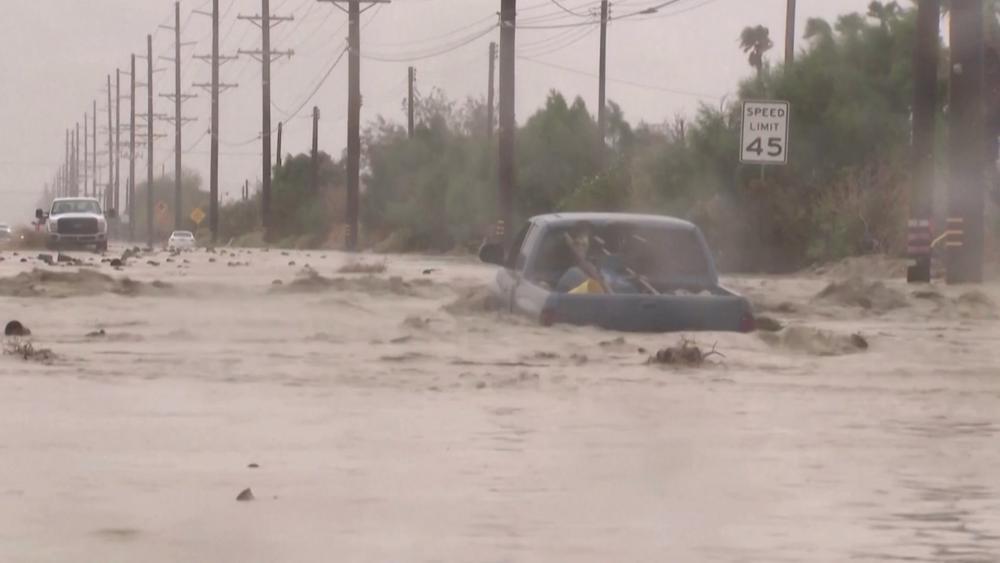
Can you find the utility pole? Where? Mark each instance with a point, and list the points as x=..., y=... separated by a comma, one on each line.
x=149, y=140
x=411, y=76
x=179, y=121
x=602, y=115
x=790, y=32
x=354, y=113
x=314, y=162
x=93, y=151
x=64, y=187
x=508, y=20
x=109, y=191
x=925, y=72
x=118, y=139
x=131, y=156
x=490, y=95
x=280, y=127
x=967, y=145
x=215, y=87
x=86, y=151
x=266, y=21
x=76, y=162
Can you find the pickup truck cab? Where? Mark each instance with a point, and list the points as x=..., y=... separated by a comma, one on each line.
x=625, y=272
x=75, y=221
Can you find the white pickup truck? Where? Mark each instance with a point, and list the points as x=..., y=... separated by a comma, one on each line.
x=75, y=221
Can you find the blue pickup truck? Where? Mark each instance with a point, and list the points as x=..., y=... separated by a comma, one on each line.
x=625, y=272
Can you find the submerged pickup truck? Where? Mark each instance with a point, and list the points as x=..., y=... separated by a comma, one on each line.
x=625, y=272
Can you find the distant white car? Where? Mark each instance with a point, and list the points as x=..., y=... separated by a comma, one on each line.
x=181, y=240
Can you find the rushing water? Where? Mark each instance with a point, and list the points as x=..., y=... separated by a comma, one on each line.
x=388, y=426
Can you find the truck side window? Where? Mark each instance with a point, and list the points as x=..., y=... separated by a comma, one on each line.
x=517, y=258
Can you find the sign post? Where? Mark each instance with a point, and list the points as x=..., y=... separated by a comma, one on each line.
x=764, y=139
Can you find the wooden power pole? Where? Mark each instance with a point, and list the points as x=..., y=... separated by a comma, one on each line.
x=354, y=114
x=410, y=76
x=925, y=84
x=967, y=145
x=93, y=151
x=602, y=113
x=86, y=153
x=131, y=156
x=314, y=162
x=281, y=127
x=508, y=20
x=150, y=120
x=266, y=55
x=490, y=93
x=790, y=32
x=215, y=88
x=109, y=191
x=118, y=139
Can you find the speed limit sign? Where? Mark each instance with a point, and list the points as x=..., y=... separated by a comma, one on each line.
x=765, y=132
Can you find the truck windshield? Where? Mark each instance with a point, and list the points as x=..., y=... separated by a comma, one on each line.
x=661, y=255
x=76, y=206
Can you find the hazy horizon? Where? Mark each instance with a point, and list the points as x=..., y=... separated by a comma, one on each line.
x=72, y=47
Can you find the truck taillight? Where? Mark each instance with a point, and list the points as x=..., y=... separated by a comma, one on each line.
x=747, y=322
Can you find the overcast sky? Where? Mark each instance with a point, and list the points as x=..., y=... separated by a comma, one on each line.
x=58, y=53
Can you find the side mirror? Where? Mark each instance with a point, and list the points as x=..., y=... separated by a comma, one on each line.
x=492, y=253
x=39, y=214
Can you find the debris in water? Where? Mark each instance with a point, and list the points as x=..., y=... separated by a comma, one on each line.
x=47, y=258
x=152, y=262
x=688, y=353
x=64, y=259
x=97, y=334
x=277, y=282
x=620, y=341
x=253, y=466
x=418, y=323
x=429, y=271
x=361, y=267
x=245, y=496
x=116, y=263
x=211, y=260
x=815, y=341
x=857, y=292
x=15, y=328
x=292, y=263
x=768, y=324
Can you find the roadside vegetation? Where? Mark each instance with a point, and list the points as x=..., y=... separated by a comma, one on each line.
x=844, y=191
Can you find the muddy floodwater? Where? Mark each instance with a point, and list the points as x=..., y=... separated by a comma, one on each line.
x=392, y=416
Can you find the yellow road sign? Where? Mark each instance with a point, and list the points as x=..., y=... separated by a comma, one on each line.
x=197, y=215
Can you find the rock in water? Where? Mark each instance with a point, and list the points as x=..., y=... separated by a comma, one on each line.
x=245, y=496
x=15, y=328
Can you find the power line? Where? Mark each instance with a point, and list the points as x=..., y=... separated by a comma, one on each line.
x=700, y=95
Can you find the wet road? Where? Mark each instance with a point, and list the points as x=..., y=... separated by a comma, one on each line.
x=396, y=420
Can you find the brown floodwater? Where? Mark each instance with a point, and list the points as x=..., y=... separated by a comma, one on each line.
x=402, y=420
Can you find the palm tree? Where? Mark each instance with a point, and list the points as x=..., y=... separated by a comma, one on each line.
x=884, y=13
x=756, y=41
